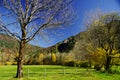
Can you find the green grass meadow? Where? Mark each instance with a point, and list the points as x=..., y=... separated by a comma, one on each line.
x=52, y=72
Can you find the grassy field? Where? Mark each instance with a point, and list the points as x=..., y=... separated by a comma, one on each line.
x=49, y=72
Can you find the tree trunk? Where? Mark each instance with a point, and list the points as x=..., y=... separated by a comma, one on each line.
x=107, y=65
x=21, y=56
x=19, y=69
x=20, y=60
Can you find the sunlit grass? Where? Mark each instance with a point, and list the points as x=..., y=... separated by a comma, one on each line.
x=49, y=72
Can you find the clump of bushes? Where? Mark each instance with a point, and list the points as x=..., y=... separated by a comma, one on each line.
x=97, y=67
x=10, y=63
x=84, y=64
x=70, y=63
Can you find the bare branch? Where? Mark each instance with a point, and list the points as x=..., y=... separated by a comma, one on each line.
x=6, y=30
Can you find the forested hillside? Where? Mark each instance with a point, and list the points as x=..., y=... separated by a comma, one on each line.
x=9, y=49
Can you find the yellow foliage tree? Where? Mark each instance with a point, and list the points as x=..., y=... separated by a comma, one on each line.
x=40, y=58
x=99, y=57
x=53, y=56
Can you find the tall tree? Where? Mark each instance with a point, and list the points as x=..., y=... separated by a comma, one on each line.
x=104, y=32
x=30, y=18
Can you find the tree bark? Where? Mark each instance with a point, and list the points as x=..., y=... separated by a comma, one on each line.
x=20, y=60
x=107, y=65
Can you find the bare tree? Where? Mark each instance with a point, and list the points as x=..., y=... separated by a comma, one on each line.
x=25, y=19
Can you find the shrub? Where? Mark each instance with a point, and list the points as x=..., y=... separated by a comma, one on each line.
x=70, y=63
x=14, y=63
x=83, y=64
x=8, y=63
x=97, y=67
x=46, y=61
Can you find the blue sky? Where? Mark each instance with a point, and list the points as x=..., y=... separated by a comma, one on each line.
x=82, y=7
